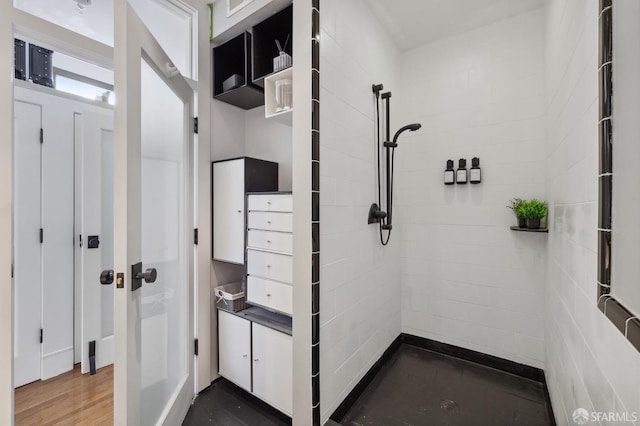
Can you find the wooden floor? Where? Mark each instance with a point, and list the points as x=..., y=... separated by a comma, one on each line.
x=69, y=399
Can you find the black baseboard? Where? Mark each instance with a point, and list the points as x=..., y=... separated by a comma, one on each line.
x=486, y=360
x=348, y=402
x=517, y=369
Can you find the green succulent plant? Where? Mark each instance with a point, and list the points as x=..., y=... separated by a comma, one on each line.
x=534, y=209
x=517, y=205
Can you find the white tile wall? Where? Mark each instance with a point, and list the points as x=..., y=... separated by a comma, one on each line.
x=359, y=279
x=467, y=279
x=589, y=363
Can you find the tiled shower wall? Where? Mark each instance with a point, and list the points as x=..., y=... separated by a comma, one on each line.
x=467, y=279
x=360, y=291
x=589, y=363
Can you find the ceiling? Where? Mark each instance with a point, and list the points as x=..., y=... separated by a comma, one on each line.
x=412, y=23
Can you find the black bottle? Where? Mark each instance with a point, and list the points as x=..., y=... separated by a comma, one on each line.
x=474, y=172
x=449, y=174
x=461, y=173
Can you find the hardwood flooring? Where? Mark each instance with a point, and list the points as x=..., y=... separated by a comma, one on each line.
x=69, y=399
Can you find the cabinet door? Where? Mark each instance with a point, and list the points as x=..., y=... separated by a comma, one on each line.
x=234, y=348
x=228, y=211
x=272, y=367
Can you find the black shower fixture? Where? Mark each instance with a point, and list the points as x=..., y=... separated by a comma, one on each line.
x=376, y=214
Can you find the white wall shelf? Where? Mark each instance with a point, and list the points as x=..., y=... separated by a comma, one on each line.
x=285, y=117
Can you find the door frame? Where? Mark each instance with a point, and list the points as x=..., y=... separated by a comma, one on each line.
x=66, y=41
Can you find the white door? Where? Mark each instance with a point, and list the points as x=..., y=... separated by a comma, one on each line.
x=228, y=211
x=27, y=247
x=234, y=340
x=94, y=236
x=153, y=224
x=273, y=367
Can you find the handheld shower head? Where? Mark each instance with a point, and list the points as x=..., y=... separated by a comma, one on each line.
x=412, y=127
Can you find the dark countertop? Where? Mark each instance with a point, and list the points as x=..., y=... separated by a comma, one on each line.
x=278, y=322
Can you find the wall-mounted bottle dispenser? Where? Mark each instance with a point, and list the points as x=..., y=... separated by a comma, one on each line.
x=449, y=174
x=475, y=172
x=461, y=173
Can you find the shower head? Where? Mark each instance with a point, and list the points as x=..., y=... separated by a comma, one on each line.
x=412, y=127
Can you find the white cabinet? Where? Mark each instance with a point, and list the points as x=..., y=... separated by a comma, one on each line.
x=269, y=251
x=234, y=339
x=231, y=180
x=256, y=358
x=272, y=367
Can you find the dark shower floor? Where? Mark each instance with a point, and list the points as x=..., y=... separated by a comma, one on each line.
x=420, y=387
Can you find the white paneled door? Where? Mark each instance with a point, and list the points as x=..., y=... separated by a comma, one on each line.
x=27, y=217
x=153, y=224
x=94, y=225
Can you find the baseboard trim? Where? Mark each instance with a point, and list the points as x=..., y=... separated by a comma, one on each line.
x=512, y=367
x=508, y=366
x=351, y=398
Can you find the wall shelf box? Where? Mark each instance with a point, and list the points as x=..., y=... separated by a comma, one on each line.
x=231, y=58
x=279, y=27
x=517, y=228
x=285, y=117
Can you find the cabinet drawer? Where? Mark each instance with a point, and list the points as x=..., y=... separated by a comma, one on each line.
x=270, y=294
x=277, y=241
x=269, y=221
x=271, y=202
x=278, y=267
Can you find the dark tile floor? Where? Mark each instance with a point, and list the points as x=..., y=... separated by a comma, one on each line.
x=420, y=387
x=224, y=404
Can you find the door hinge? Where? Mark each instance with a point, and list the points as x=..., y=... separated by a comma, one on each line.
x=41, y=335
x=41, y=235
x=195, y=236
x=12, y=270
x=41, y=135
x=80, y=239
x=195, y=347
x=195, y=125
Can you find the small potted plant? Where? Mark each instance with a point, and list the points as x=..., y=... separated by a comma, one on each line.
x=534, y=210
x=517, y=205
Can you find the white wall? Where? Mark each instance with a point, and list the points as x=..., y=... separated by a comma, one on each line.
x=467, y=279
x=359, y=279
x=269, y=140
x=589, y=362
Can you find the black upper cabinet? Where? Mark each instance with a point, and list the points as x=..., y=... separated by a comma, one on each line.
x=279, y=27
x=234, y=58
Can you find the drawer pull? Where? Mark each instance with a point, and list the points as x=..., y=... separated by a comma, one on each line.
x=244, y=355
x=256, y=360
x=239, y=211
x=268, y=295
x=269, y=222
x=269, y=202
x=268, y=241
x=268, y=266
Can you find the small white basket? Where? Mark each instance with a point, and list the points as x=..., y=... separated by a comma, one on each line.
x=230, y=297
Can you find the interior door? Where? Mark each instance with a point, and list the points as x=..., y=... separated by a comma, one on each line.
x=27, y=247
x=94, y=229
x=153, y=224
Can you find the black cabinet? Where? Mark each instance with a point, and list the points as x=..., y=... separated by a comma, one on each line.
x=241, y=64
x=279, y=27
x=232, y=60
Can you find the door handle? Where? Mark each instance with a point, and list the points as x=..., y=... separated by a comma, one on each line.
x=149, y=276
x=106, y=277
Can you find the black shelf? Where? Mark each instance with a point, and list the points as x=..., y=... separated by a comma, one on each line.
x=234, y=57
x=279, y=26
x=517, y=228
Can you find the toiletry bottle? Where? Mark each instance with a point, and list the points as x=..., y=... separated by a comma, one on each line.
x=474, y=172
x=449, y=174
x=461, y=173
